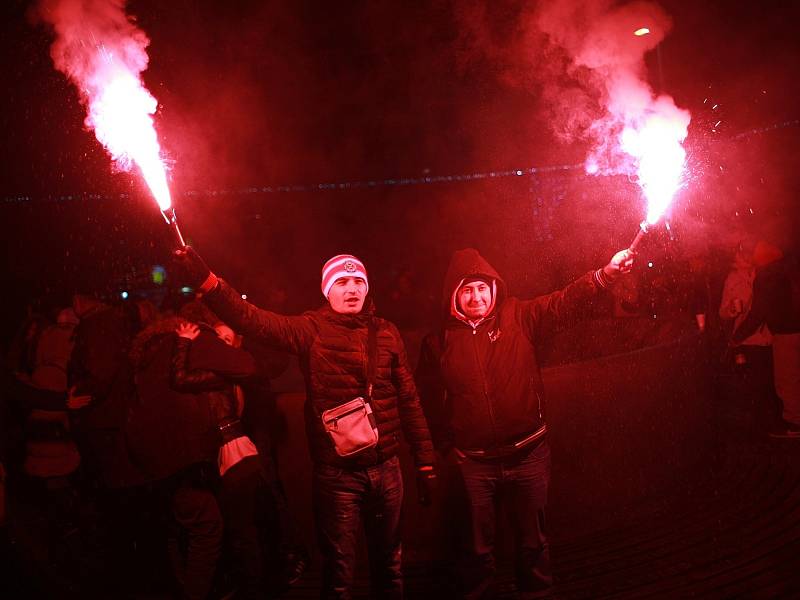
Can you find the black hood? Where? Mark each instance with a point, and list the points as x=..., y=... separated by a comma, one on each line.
x=469, y=263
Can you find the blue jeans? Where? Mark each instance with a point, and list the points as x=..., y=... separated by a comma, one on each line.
x=522, y=480
x=344, y=498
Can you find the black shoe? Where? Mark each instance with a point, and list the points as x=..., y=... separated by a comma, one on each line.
x=785, y=430
x=295, y=565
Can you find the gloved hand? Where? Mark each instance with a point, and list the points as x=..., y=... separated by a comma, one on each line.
x=192, y=270
x=426, y=484
x=620, y=263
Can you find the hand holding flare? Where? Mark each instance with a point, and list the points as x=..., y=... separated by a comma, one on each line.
x=172, y=221
x=620, y=264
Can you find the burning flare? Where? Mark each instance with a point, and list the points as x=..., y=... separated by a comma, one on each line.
x=637, y=133
x=121, y=118
x=100, y=49
x=656, y=145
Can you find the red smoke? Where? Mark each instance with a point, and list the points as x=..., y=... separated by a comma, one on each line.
x=101, y=50
x=638, y=132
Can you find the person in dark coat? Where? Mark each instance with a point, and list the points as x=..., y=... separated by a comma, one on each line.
x=776, y=296
x=173, y=438
x=243, y=482
x=483, y=395
x=99, y=367
x=266, y=424
x=333, y=344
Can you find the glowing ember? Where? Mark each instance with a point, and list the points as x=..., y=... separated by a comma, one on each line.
x=656, y=146
x=121, y=118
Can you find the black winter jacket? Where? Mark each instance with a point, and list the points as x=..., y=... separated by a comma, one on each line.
x=332, y=349
x=774, y=301
x=210, y=367
x=480, y=384
x=168, y=430
x=99, y=366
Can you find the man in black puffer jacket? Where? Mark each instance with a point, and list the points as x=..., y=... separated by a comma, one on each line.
x=482, y=391
x=332, y=343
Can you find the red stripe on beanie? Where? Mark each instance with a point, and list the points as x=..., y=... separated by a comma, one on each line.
x=341, y=265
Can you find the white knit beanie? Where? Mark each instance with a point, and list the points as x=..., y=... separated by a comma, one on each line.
x=342, y=265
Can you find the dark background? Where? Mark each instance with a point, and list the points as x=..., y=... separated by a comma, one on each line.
x=258, y=95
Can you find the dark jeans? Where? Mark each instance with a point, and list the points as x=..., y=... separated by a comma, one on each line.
x=241, y=500
x=342, y=498
x=195, y=544
x=751, y=399
x=284, y=530
x=522, y=480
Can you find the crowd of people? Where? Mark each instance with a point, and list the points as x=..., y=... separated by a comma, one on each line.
x=136, y=436
x=119, y=414
x=760, y=305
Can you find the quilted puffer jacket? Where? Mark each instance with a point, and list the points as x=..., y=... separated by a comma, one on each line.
x=332, y=349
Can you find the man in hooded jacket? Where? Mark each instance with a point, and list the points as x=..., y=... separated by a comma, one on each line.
x=333, y=344
x=482, y=392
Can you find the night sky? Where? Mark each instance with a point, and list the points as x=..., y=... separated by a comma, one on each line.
x=256, y=94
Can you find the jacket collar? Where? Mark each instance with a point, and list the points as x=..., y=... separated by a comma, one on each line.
x=487, y=320
x=355, y=321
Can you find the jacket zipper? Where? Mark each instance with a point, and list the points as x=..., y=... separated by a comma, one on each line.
x=338, y=418
x=483, y=381
x=538, y=402
x=365, y=354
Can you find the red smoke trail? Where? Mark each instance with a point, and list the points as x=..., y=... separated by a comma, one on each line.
x=101, y=50
x=640, y=133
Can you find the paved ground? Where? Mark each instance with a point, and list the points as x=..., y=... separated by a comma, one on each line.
x=735, y=534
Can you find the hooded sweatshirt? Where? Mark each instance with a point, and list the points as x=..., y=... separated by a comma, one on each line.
x=480, y=382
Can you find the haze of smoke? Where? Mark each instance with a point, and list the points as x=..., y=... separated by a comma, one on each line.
x=582, y=58
x=94, y=40
x=598, y=36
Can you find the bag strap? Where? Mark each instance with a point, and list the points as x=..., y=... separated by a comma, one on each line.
x=372, y=355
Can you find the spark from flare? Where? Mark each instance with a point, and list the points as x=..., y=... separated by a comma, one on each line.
x=100, y=49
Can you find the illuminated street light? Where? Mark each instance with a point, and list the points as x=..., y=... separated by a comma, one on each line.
x=646, y=31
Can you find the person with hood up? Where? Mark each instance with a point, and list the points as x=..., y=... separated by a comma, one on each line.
x=482, y=392
x=349, y=358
